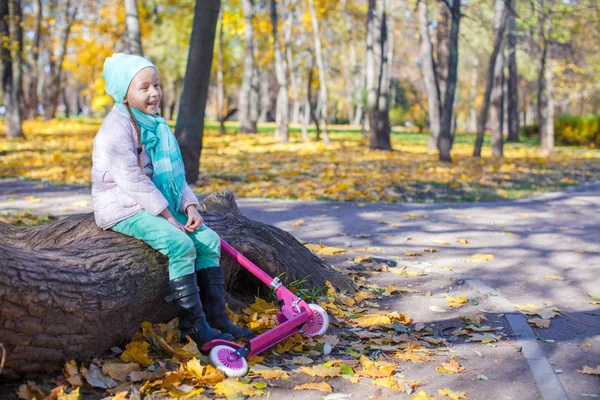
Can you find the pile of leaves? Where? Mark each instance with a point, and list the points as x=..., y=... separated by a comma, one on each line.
x=259, y=166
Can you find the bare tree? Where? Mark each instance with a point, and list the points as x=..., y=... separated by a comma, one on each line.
x=190, y=118
x=513, y=80
x=67, y=17
x=133, y=39
x=282, y=117
x=378, y=80
x=497, y=95
x=248, y=99
x=323, y=98
x=483, y=114
x=11, y=18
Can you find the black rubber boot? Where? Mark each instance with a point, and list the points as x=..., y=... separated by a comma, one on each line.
x=192, y=319
x=212, y=290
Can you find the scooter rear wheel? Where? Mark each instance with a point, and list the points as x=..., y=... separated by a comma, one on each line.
x=318, y=324
x=223, y=359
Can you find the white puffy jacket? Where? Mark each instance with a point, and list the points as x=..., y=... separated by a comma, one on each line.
x=119, y=188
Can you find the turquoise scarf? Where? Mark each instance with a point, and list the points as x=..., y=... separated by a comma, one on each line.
x=161, y=145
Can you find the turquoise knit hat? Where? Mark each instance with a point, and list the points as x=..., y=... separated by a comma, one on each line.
x=119, y=70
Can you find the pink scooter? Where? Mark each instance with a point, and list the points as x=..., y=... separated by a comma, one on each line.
x=295, y=316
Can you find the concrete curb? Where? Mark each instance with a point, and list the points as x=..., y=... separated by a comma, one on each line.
x=546, y=379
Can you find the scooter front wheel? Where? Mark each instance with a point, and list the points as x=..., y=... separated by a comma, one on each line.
x=318, y=324
x=223, y=358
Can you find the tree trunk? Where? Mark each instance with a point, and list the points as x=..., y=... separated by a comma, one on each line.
x=378, y=82
x=472, y=125
x=282, y=117
x=32, y=93
x=287, y=37
x=497, y=95
x=53, y=88
x=443, y=46
x=248, y=114
x=446, y=129
x=547, y=120
x=190, y=118
x=323, y=98
x=430, y=78
x=350, y=69
x=133, y=39
x=264, y=94
x=498, y=43
x=11, y=18
x=220, y=87
x=513, y=81
x=70, y=290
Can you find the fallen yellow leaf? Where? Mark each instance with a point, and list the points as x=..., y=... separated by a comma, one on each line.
x=452, y=394
x=456, y=302
x=590, y=371
x=321, y=386
x=451, y=367
x=481, y=257
x=539, y=322
x=555, y=277
x=232, y=386
x=298, y=223
x=422, y=396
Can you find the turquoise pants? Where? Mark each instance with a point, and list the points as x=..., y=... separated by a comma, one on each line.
x=187, y=251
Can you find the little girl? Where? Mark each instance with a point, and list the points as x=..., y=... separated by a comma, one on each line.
x=139, y=189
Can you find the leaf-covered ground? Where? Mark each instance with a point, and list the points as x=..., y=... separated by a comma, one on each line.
x=346, y=170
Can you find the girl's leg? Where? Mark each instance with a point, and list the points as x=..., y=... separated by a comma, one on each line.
x=211, y=281
x=159, y=234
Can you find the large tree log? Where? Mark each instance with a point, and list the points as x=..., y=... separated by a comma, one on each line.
x=70, y=290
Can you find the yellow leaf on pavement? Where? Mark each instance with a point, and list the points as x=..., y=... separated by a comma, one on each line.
x=531, y=309
x=321, y=386
x=481, y=257
x=555, y=277
x=590, y=371
x=440, y=242
x=387, y=383
x=422, y=396
x=451, y=367
x=298, y=223
x=82, y=203
x=462, y=241
x=232, y=386
x=321, y=371
x=474, y=319
x=456, y=302
x=452, y=394
x=32, y=199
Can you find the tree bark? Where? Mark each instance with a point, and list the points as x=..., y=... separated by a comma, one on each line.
x=498, y=43
x=220, y=87
x=323, y=97
x=31, y=104
x=11, y=18
x=190, y=118
x=70, y=290
x=430, y=78
x=53, y=88
x=378, y=81
x=513, y=81
x=282, y=117
x=443, y=46
x=497, y=95
x=446, y=129
x=133, y=40
x=248, y=109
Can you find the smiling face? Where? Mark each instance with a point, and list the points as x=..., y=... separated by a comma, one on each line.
x=144, y=91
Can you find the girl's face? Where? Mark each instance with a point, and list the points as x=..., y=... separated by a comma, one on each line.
x=144, y=92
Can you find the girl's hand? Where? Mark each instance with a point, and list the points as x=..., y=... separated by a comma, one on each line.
x=166, y=214
x=195, y=220
x=176, y=224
